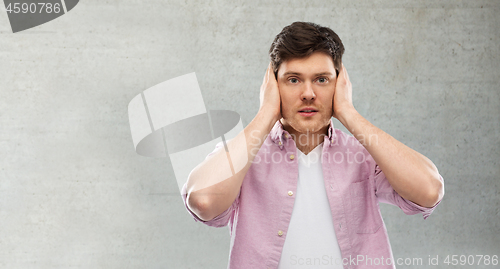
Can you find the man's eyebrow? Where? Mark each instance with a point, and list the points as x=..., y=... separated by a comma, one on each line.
x=291, y=73
x=299, y=74
x=324, y=74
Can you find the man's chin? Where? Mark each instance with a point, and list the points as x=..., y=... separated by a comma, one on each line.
x=308, y=128
x=305, y=126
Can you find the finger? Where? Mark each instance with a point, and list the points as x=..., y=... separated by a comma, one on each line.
x=270, y=73
x=266, y=77
x=345, y=73
x=342, y=73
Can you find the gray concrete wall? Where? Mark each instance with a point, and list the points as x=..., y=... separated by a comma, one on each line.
x=74, y=194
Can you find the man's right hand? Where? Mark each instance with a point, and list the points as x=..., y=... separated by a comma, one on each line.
x=270, y=100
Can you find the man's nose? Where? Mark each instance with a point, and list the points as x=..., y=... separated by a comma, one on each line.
x=308, y=92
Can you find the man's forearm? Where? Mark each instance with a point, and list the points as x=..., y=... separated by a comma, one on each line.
x=210, y=191
x=411, y=174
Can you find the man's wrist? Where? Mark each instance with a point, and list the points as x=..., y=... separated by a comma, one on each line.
x=265, y=118
x=346, y=115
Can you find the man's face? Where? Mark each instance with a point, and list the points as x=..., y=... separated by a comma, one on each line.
x=307, y=84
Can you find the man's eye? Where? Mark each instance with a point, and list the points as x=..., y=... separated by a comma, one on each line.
x=322, y=80
x=293, y=80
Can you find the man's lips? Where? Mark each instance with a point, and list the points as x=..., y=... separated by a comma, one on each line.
x=308, y=111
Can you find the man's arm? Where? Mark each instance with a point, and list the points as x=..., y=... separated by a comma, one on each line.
x=209, y=192
x=412, y=175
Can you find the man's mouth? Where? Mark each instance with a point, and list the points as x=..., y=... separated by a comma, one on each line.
x=308, y=112
x=308, y=109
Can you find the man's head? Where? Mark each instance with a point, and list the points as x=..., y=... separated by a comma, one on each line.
x=301, y=39
x=306, y=60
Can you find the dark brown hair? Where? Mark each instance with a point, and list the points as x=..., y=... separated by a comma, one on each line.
x=301, y=39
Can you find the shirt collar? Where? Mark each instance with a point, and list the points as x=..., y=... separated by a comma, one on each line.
x=278, y=134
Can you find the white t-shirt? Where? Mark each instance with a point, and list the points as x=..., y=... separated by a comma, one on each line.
x=311, y=240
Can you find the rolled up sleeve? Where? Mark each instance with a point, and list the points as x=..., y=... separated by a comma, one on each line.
x=386, y=194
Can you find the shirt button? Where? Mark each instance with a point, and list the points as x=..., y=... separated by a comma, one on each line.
x=290, y=193
x=280, y=233
x=292, y=157
x=279, y=143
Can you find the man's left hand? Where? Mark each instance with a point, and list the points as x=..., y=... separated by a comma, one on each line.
x=342, y=98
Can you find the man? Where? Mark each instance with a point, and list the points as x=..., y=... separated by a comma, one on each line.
x=288, y=209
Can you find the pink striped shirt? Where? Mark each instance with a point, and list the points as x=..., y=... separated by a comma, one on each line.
x=259, y=217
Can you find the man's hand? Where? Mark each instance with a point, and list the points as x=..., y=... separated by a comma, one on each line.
x=270, y=100
x=342, y=98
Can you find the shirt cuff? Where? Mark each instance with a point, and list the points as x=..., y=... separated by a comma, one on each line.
x=413, y=208
x=416, y=208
